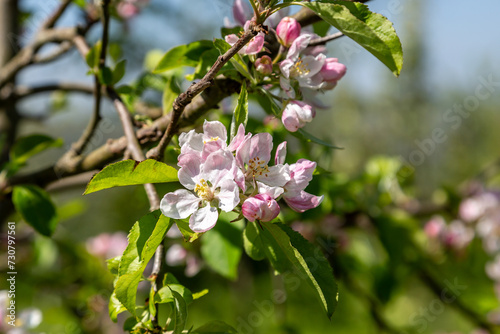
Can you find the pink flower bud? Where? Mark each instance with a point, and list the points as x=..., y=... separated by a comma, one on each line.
x=332, y=70
x=288, y=30
x=296, y=115
x=264, y=65
x=262, y=207
x=127, y=10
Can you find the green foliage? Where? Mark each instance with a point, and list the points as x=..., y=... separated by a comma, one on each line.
x=164, y=295
x=131, y=172
x=237, y=60
x=144, y=238
x=240, y=114
x=183, y=55
x=221, y=248
x=253, y=243
x=26, y=147
x=372, y=31
x=288, y=251
x=170, y=93
x=36, y=208
x=180, y=313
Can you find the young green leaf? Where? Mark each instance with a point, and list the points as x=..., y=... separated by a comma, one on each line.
x=164, y=295
x=36, y=208
x=236, y=60
x=131, y=172
x=183, y=55
x=221, y=248
x=105, y=76
x=170, y=93
x=253, y=243
x=282, y=244
x=119, y=71
x=306, y=136
x=180, y=313
x=93, y=55
x=240, y=114
x=115, y=307
x=144, y=238
x=372, y=31
x=26, y=147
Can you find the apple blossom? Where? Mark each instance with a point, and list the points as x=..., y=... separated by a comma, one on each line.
x=253, y=47
x=296, y=115
x=288, y=30
x=212, y=187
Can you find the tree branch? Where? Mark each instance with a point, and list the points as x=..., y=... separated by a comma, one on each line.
x=326, y=39
x=185, y=98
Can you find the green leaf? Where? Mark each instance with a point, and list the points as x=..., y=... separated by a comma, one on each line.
x=113, y=265
x=183, y=55
x=36, y=208
x=180, y=313
x=105, y=76
x=215, y=327
x=170, y=93
x=252, y=242
x=145, y=236
x=372, y=31
x=26, y=147
x=198, y=295
x=310, y=138
x=119, y=71
x=115, y=307
x=92, y=57
x=187, y=233
x=164, y=295
x=207, y=60
x=131, y=172
x=282, y=244
x=221, y=248
x=240, y=114
x=115, y=51
x=236, y=60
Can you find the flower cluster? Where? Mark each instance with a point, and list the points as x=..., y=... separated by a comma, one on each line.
x=235, y=176
x=478, y=215
x=304, y=71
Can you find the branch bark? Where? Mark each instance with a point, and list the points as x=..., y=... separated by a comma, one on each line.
x=185, y=98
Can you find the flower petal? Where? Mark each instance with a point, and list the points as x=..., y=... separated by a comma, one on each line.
x=179, y=204
x=274, y=192
x=213, y=130
x=277, y=176
x=279, y=158
x=303, y=201
x=203, y=219
x=228, y=196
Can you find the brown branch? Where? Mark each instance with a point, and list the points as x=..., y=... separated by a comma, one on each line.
x=326, y=39
x=26, y=56
x=185, y=98
x=51, y=21
x=21, y=92
x=63, y=48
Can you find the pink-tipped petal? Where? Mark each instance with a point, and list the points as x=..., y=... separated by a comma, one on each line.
x=303, y=201
x=279, y=158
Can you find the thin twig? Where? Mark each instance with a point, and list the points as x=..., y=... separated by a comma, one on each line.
x=51, y=21
x=63, y=48
x=21, y=92
x=326, y=39
x=185, y=98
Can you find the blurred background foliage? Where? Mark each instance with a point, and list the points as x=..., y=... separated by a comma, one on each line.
x=391, y=272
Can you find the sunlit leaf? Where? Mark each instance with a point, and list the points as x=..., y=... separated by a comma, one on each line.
x=131, y=172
